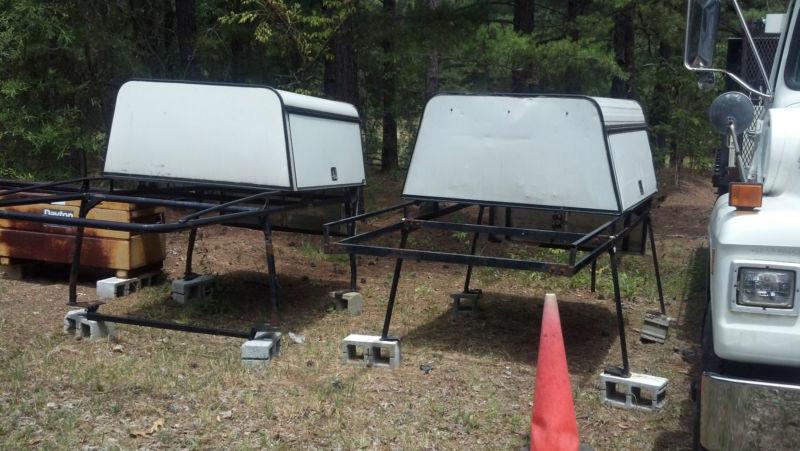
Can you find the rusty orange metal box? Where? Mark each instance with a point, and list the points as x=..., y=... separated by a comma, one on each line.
x=124, y=252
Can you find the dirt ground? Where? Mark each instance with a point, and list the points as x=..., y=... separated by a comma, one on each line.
x=150, y=388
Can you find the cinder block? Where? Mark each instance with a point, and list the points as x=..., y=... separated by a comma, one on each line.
x=371, y=351
x=95, y=330
x=639, y=391
x=262, y=349
x=197, y=289
x=655, y=328
x=72, y=321
x=150, y=279
x=471, y=297
x=115, y=287
x=16, y=271
x=355, y=350
x=353, y=302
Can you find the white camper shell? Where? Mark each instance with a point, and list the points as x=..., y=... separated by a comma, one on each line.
x=233, y=136
x=563, y=152
x=579, y=156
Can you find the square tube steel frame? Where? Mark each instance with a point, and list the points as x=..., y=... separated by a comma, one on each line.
x=604, y=239
x=233, y=206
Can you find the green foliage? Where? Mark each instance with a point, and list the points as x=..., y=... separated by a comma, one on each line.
x=37, y=109
x=61, y=63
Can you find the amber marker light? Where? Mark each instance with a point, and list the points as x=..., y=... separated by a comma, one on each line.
x=745, y=196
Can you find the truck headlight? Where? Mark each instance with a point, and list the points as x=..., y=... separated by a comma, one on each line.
x=766, y=288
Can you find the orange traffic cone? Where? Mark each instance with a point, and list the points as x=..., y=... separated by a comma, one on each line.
x=553, y=424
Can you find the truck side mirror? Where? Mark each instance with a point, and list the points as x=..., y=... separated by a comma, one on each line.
x=730, y=115
x=731, y=112
x=701, y=33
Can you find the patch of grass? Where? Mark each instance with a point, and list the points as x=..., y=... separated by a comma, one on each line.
x=478, y=392
x=463, y=237
x=468, y=420
x=314, y=252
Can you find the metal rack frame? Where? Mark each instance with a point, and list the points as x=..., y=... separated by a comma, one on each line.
x=245, y=207
x=604, y=239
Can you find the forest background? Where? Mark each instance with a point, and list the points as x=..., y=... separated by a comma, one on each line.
x=62, y=62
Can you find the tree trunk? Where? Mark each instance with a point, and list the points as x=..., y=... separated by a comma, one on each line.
x=238, y=44
x=340, y=80
x=432, y=72
x=659, y=111
x=522, y=74
x=623, y=51
x=575, y=9
x=185, y=29
x=389, y=154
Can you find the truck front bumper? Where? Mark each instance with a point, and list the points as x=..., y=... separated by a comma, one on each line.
x=748, y=414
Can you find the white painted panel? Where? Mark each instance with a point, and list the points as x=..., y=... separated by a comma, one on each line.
x=620, y=112
x=294, y=100
x=320, y=144
x=213, y=133
x=544, y=151
x=633, y=164
x=773, y=24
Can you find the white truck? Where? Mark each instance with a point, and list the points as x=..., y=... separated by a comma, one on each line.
x=749, y=389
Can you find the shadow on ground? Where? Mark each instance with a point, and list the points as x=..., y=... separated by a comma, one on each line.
x=42, y=273
x=240, y=302
x=508, y=326
x=689, y=329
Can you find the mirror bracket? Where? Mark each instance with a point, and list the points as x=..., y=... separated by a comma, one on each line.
x=768, y=94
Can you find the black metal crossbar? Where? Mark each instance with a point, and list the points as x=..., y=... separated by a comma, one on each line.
x=233, y=206
x=583, y=249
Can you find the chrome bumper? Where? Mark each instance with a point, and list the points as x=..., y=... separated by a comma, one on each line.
x=743, y=414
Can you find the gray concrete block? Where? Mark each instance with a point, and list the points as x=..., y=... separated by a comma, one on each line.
x=197, y=289
x=466, y=301
x=262, y=349
x=72, y=321
x=95, y=330
x=16, y=271
x=353, y=302
x=655, y=328
x=371, y=351
x=639, y=391
x=275, y=337
x=354, y=352
x=150, y=279
x=385, y=354
x=257, y=349
x=115, y=287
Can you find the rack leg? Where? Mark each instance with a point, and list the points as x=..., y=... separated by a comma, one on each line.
x=508, y=221
x=626, y=370
x=351, y=210
x=187, y=273
x=398, y=266
x=472, y=250
x=649, y=225
x=594, y=275
x=273, y=278
x=77, y=247
x=492, y=219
